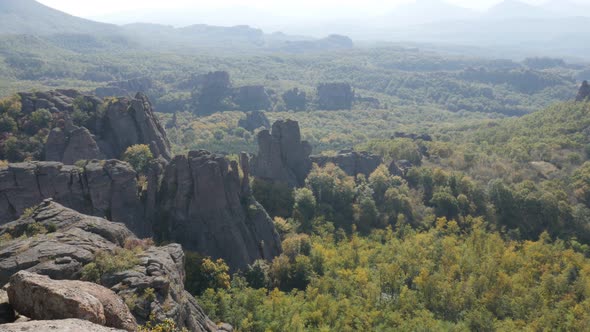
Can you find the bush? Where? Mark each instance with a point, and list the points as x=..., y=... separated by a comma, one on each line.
x=109, y=262
x=203, y=273
x=8, y=124
x=41, y=118
x=139, y=156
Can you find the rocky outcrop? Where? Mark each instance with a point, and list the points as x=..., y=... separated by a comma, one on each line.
x=126, y=122
x=335, y=96
x=295, y=99
x=400, y=167
x=351, y=162
x=64, y=325
x=71, y=240
x=282, y=156
x=101, y=188
x=69, y=147
x=254, y=120
x=252, y=98
x=201, y=203
x=129, y=122
x=205, y=206
x=584, y=92
x=211, y=92
x=41, y=298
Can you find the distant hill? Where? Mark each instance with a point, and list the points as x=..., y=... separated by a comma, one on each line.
x=426, y=11
x=31, y=17
x=516, y=9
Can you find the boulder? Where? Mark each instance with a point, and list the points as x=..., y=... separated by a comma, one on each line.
x=74, y=241
x=335, y=96
x=282, y=155
x=7, y=314
x=63, y=325
x=584, y=92
x=41, y=298
x=254, y=120
x=207, y=208
x=351, y=162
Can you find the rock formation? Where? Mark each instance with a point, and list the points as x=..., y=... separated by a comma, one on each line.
x=254, y=120
x=335, y=96
x=252, y=98
x=125, y=122
x=63, y=325
x=351, y=162
x=282, y=156
x=584, y=92
x=204, y=205
x=201, y=203
x=101, y=188
x=132, y=121
x=40, y=298
x=295, y=99
x=211, y=92
x=70, y=241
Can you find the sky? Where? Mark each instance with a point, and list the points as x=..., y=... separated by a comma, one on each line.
x=96, y=8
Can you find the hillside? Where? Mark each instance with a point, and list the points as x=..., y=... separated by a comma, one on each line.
x=31, y=17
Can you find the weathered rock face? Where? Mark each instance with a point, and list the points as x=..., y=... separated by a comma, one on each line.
x=295, y=99
x=201, y=203
x=252, y=98
x=75, y=241
x=100, y=188
x=351, y=162
x=211, y=92
x=64, y=325
x=254, y=120
x=69, y=147
x=41, y=298
x=335, y=96
x=54, y=101
x=282, y=156
x=132, y=121
x=584, y=92
x=126, y=122
x=204, y=206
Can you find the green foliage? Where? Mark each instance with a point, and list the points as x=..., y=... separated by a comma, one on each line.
x=439, y=279
x=277, y=198
x=139, y=156
x=304, y=208
x=8, y=124
x=105, y=263
x=41, y=118
x=203, y=272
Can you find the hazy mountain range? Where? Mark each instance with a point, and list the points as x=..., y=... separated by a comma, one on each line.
x=508, y=29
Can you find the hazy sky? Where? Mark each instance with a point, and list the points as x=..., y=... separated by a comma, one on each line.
x=94, y=8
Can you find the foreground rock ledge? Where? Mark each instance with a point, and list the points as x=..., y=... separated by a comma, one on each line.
x=41, y=298
x=65, y=325
x=74, y=241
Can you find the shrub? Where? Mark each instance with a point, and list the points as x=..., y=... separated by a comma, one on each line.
x=41, y=118
x=109, y=262
x=8, y=124
x=139, y=156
